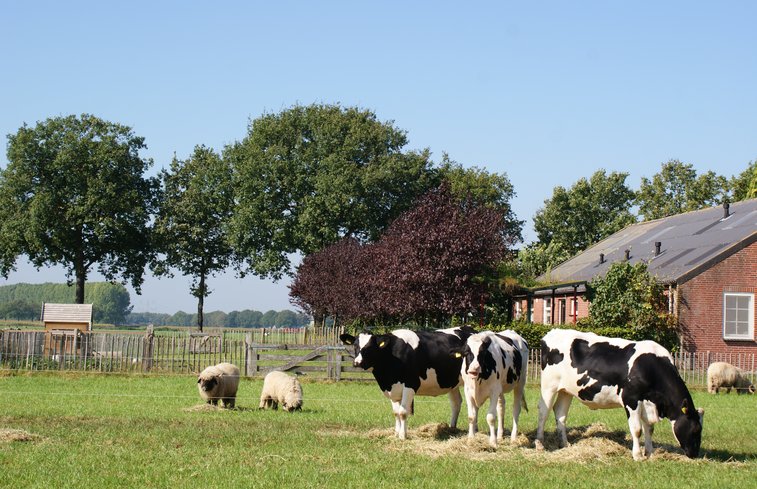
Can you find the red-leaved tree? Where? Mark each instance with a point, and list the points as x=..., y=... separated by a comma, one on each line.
x=425, y=268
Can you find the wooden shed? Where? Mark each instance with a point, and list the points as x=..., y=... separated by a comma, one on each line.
x=64, y=325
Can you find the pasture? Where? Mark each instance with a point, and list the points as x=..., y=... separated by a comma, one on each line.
x=111, y=430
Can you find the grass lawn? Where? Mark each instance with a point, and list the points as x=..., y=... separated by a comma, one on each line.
x=89, y=430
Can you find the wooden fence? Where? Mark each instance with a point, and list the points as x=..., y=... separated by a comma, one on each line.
x=316, y=355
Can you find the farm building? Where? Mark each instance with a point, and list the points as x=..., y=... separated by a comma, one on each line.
x=706, y=258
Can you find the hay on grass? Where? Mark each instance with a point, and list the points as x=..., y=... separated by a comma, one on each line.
x=10, y=435
x=588, y=444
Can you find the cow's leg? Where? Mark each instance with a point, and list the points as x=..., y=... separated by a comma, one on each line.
x=396, y=411
x=648, y=430
x=546, y=401
x=470, y=401
x=491, y=415
x=455, y=401
x=561, y=407
x=634, y=426
x=500, y=416
x=517, y=405
x=404, y=411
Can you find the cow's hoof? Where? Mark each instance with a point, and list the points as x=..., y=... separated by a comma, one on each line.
x=538, y=445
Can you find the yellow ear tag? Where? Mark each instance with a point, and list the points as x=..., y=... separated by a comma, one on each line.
x=458, y=355
x=683, y=410
x=381, y=345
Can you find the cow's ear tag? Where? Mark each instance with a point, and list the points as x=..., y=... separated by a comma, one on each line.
x=458, y=354
x=382, y=344
x=684, y=410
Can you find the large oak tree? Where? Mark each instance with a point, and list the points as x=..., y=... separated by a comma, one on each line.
x=309, y=175
x=74, y=193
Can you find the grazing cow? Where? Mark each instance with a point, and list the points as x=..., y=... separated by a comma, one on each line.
x=493, y=365
x=638, y=376
x=407, y=363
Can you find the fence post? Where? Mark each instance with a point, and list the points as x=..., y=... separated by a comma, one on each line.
x=250, y=356
x=147, y=349
x=338, y=366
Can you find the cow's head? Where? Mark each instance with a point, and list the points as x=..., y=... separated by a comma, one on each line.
x=687, y=428
x=368, y=348
x=478, y=361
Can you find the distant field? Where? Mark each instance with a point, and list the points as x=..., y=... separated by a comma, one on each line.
x=89, y=430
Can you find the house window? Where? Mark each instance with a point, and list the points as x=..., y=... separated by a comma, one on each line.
x=547, y=310
x=573, y=307
x=738, y=316
x=561, y=311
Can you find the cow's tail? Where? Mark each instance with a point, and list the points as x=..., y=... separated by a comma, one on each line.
x=523, y=396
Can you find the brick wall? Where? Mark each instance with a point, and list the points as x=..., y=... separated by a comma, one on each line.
x=700, y=303
x=538, y=303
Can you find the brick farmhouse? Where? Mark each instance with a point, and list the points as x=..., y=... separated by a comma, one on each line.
x=706, y=258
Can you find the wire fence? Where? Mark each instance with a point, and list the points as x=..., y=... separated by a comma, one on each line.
x=319, y=354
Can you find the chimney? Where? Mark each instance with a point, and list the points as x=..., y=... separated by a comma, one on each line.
x=628, y=255
x=726, y=210
x=657, y=246
x=601, y=258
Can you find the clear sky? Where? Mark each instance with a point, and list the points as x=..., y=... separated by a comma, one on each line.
x=546, y=92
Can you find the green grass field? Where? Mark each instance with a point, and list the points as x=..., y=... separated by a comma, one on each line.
x=100, y=431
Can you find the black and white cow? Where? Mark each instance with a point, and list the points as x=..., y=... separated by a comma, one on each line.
x=407, y=363
x=601, y=372
x=493, y=365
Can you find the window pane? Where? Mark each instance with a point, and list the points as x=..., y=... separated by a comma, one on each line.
x=737, y=315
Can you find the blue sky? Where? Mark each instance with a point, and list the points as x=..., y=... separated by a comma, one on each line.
x=546, y=92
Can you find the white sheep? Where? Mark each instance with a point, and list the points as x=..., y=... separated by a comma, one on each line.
x=219, y=382
x=280, y=388
x=722, y=374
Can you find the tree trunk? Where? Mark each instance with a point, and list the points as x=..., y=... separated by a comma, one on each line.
x=81, y=278
x=200, y=301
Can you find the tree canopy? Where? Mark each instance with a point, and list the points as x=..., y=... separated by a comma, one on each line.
x=309, y=175
x=677, y=189
x=425, y=268
x=191, y=227
x=74, y=194
x=573, y=219
x=744, y=185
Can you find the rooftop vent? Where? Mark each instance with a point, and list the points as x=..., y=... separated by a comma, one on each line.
x=628, y=255
x=726, y=210
x=657, y=246
x=601, y=258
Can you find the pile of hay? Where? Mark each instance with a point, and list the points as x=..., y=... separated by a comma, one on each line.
x=588, y=444
x=201, y=408
x=8, y=435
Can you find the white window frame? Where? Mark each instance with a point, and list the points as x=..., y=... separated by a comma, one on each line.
x=547, y=310
x=518, y=311
x=750, y=325
x=573, y=307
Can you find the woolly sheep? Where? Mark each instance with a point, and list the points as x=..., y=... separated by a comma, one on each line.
x=219, y=382
x=279, y=387
x=722, y=374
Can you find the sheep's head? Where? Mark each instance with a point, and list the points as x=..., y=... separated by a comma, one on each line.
x=207, y=384
x=292, y=402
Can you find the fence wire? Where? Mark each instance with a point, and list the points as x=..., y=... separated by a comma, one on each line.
x=255, y=351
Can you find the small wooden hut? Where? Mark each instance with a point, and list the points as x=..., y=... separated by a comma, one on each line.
x=64, y=325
